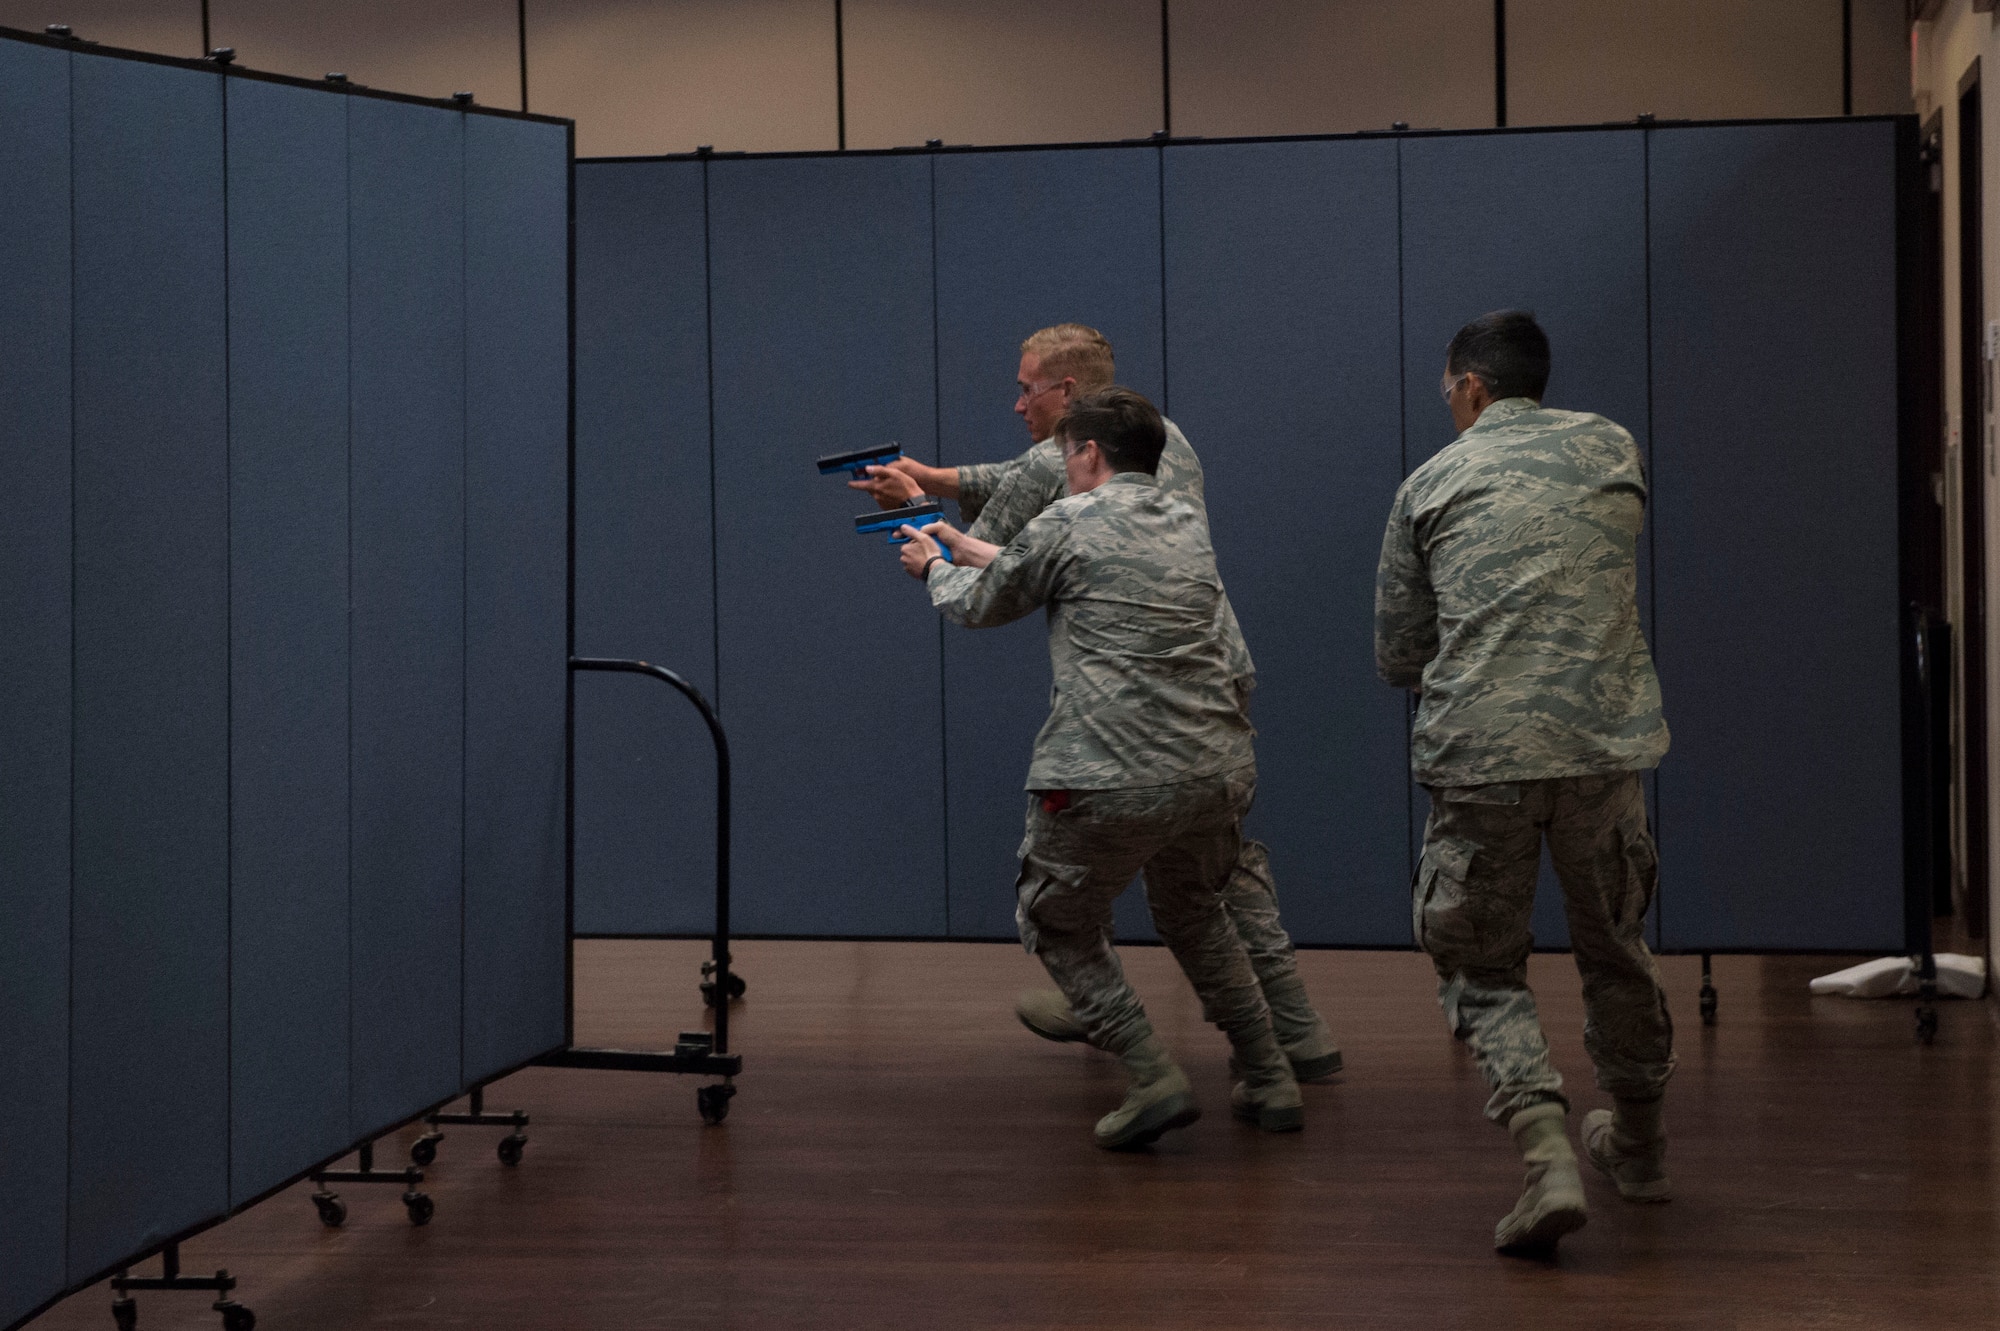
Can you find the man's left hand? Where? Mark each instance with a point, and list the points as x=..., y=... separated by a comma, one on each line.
x=918, y=552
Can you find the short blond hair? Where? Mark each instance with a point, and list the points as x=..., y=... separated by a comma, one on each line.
x=1073, y=351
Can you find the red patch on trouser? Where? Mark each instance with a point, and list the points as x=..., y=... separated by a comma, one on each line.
x=1055, y=801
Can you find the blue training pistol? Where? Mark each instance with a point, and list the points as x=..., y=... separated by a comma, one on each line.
x=860, y=460
x=910, y=515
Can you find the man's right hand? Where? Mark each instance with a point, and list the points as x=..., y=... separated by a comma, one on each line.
x=966, y=551
x=894, y=485
x=905, y=480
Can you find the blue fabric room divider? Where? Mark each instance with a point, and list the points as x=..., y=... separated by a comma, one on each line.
x=1287, y=302
x=284, y=525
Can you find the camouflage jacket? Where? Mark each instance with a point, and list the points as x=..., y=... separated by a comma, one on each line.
x=998, y=498
x=1506, y=593
x=1144, y=690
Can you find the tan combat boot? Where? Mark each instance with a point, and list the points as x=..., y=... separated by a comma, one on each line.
x=1047, y=1014
x=1301, y=1034
x=1551, y=1204
x=1265, y=1093
x=1158, y=1101
x=1630, y=1146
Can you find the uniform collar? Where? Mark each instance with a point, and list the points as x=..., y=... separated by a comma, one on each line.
x=1132, y=478
x=1506, y=409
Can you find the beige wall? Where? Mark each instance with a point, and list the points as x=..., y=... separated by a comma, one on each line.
x=1330, y=66
x=432, y=50
x=167, y=27
x=656, y=76
x=1570, y=61
x=1030, y=71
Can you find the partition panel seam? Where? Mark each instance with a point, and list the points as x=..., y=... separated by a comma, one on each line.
x=1652, y=480
x=464, y=561
x=1160, y=178
x=228, y=679
x=69, y=1007
x=347, y=125
x=1403, y=468
x=708, y=363
x=937, y=457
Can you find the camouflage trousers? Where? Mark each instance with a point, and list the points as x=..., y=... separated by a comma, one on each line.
x=1251, y=899
x=1474, y=893
x=1185, y=839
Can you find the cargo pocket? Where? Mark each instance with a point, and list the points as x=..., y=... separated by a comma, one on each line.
x=1441, y=912
x=1047, y=895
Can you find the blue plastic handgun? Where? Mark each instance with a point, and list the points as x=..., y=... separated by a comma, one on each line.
x=858, y=462
x=910, y=515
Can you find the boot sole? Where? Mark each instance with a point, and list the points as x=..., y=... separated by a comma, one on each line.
x=1060, y=1037
x=1146, y=1131
x=1270, y=1120
x=1540, y=1238
x=1316, y=1068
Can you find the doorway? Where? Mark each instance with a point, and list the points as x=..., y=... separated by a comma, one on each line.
x=1974, y=454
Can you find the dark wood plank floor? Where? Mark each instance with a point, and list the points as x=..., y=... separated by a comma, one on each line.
x=902, y=1154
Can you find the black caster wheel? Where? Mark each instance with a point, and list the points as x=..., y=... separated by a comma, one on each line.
x=1927, y=1024
x=236, y=1317
x=420, y=1207
x=713, y=1101
x=510, y=1148
x=737, y=987
x=1710, y=1001
x=424, y=1150
x=332, y=1210
x=125, y=1313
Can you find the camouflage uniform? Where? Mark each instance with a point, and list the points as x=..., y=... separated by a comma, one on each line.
x=997, y=499
x=1146, y=761
x=1506, y=593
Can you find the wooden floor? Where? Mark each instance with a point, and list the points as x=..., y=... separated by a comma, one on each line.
x=902, y=1154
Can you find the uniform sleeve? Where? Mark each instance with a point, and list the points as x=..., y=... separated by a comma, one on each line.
x=1032, y=483
x=1406, y=637
x=1021, y=578
x=976, y=483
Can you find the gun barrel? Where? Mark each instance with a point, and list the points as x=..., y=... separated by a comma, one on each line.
x=859, y=459
x=913, y=515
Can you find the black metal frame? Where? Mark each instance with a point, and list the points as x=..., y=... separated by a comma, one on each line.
x=125, y=1311
x=695, y=1052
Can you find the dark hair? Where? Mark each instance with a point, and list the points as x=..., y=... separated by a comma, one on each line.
x=1126, y=427
x=1507, y=349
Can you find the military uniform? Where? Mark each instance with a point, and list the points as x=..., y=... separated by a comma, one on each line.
x=1506, y=594
x=998, y=500
x=1145, y=762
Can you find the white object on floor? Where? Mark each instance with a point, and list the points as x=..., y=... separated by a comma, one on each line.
x=1958, y=976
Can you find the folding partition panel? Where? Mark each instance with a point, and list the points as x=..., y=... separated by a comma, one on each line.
x=1025, y=240
x=35, y=664
x=645, y=787
x=1549, y=222
x=149, y=1018
x=288, y=592
x=829, y=656
x=407, y=397
x=1775, y=482
x=1281, y=342
x=245, y=917
x=516, y=590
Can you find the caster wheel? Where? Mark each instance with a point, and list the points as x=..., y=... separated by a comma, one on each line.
x=713, y=1102
x=737, y=987
x=420, y=1207
x=1927, y=1025
x=236, y=1317
x=510, y=1148
x=125, y=1313
x=424, y=1150
x=332, y=1210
